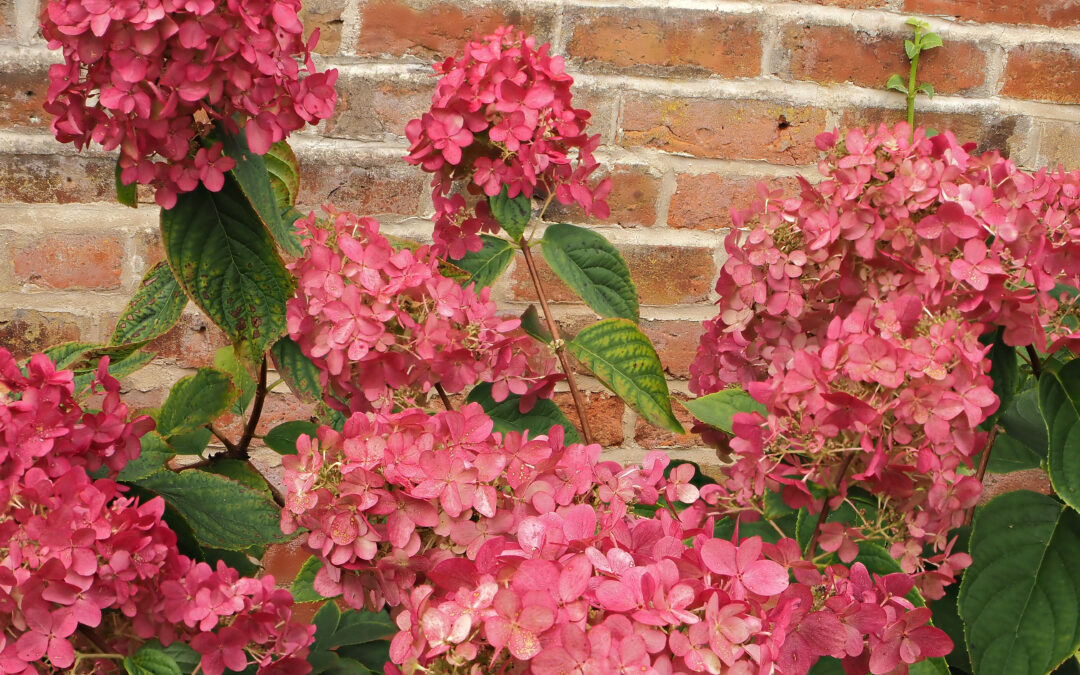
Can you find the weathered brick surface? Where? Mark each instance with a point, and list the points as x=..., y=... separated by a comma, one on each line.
x=605, y=414
x=70, y=261
x=7, y=19
x=724, y=129
x=1043, y=73
x=676, y=342
x=24, y=331
x=986, y=131
x=366, y=190
x=433, y=31
x=191, y=343
x=652, y=269
x=327, y=17
x=371, y=109
x=632, y=200
x=675, y=40
x=22, y=93
x=1056, y=13
x=837, y=54
x=704, y=202
x=62, y=179
x=648, y=436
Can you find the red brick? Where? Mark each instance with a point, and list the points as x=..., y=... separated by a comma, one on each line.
x=25, y=331
x=832, y=54
x=191, y=343
x=280, y=407
x=59, y=179
x=676, y=39
x=651, y=437
x=854, y=4
x=326, y=15
x=602, y=103
x=70, y=261
x=434, y=32
x=996, y=484
x=22, y=94
x=1043, y=73
x=365, y=190
x=726, y=129
x=986, y=131
x=369, y=108
x=704, y=202
x=604, y=411
x=1056, y=13
x=676, y=343
x=632, y=200
x=650, y=267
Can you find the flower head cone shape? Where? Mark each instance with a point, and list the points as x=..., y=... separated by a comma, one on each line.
x=77, y=554
x=853, y=311
x=149, y=77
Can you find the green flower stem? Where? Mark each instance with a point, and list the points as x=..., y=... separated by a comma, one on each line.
x=911, y=91
x=560, y=351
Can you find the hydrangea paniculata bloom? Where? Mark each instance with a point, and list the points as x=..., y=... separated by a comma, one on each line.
x=509, y=553
x=854, y=310
x=502, y=116
x=147, y=77
x=77, y=554
x=381, y=322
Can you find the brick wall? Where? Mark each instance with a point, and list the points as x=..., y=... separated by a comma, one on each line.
x=696, y=101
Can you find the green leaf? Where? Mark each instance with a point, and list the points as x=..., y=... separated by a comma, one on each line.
x=128, y=195
x=67, y=354
x=152, y=458
x=1009, y=454
x=284, y=171
x=930, y=41
x=240, y=471
x=180, y=652
x=927, y=89
x=238, y=560
x=153, y=310
x=225, y=260
x=910, y=48
x=1004, y=371
x=255, y=183
x=485, y=266
x=947, y=619
x=622, y=357
x=222, y=512
x=297, y=370
x=512, y=214
x=195, y=400
x=1020, y=599
x=507, y=416
x=718, y=409
x=303, y=589
x=531, y=324
x=897, y=83
x=282, y=438
x=149, y=661
x=225, y=360
x=357, y=627
x=1023, y=421
x=1059, y=399
x=191, y=443
x=592, y=268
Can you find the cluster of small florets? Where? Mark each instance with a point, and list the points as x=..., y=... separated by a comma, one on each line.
x=383, y=323
x=149, y=77
x=853, y=312
x=86, y=570
x=503, y=553
x=502, y=116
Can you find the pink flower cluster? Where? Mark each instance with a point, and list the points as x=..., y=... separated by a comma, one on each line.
x=85, y=569
x=382, y=323
x=148, y=77
x=853, y=312
x=502, y=115
x=504, y=553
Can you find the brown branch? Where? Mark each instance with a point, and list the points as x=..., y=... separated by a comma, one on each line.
x=984, y=461
x=442, y=395
x=253, y=421
x=579, y=403
x=1036, y=364
x=826, y=508
x=93, y=638
x=229, y=445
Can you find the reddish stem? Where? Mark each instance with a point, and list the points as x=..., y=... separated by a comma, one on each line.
x=826, y=508
x=575, y=393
